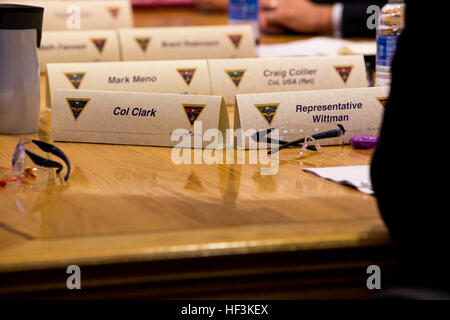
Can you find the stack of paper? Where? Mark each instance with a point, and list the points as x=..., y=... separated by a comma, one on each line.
x=317, y=46
x=354, y=176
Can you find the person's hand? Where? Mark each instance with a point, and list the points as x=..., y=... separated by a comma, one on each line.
x=211, y=5
x=301, y=16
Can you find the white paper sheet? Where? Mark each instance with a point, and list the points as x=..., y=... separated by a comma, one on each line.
x=317, y=46
x=355, y=176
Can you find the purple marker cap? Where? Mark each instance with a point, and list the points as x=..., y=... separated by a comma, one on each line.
x=366, y=141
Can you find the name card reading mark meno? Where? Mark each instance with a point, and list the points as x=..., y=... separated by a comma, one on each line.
x=359, y=110
x=199, y=42
x=75, y=78
x=133, y=118
x=230, y=77
x=185, y=76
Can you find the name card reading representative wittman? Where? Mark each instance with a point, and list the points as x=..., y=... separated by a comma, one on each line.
x=203, y=42
x=236, y=76
x=78, y=46
x=76, y=15
x=358, y=110
x=135, y=118
x=181, y=76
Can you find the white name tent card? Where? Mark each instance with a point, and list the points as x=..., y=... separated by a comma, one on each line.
x=78, y=46
x=197, y=42
x=135, y=118
x=358, y=110
x=181, y=76
x=82, y=15
x=230, y=77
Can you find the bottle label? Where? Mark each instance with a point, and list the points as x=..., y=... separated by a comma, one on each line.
x=380, y=82
x=243, y=10
x=386, y=46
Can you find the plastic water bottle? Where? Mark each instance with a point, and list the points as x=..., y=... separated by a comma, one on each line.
x=390, y=25
x=244, y=12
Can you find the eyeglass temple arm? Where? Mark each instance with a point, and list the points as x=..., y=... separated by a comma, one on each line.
x=331, y=133
x=44, y=162
x=322, y=135
x=266, y=139
x=257, y=138
x=47, y=147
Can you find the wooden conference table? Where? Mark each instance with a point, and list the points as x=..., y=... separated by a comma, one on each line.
x=140, y=226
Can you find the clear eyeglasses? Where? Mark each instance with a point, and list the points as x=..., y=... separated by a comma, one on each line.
x=291, y=142
x=25, y=159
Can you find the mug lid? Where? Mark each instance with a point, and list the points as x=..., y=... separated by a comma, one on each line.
x=22, y=17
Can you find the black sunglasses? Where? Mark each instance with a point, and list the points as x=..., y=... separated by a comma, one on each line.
x=40, y=161
x=261, y=136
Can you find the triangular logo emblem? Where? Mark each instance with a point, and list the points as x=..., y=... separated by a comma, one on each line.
x=75, y=78
x=114, y=11
x=268, y=111
x=99, y=44
x=383, y=101
x=187, y=74
x=77, y=106
x=235, y=39
x=344, y=72
x=143, y=43
x=193, y=111
x=236, y=76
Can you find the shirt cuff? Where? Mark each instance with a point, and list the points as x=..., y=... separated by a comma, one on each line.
x=336, y=19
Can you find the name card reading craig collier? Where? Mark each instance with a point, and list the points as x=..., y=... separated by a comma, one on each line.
x=82, y=15
x=358, y=110
x=78, y=46
x=181, y=76
x=134, y=118
x=230, y=77
x=202, y=42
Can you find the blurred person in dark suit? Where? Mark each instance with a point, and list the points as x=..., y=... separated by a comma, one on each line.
x=345, y=18
x=408, y=167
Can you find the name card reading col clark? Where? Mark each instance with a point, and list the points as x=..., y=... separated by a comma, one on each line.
x=76, y=15
x=78, y=46
x=358, y=110
x=172, y=43
x=181, y=76
x=135, y=118
x=230, y=77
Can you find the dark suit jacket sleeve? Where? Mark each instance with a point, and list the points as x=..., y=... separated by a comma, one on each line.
x=354, y=16
x=354, y=19
x=408, y=164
